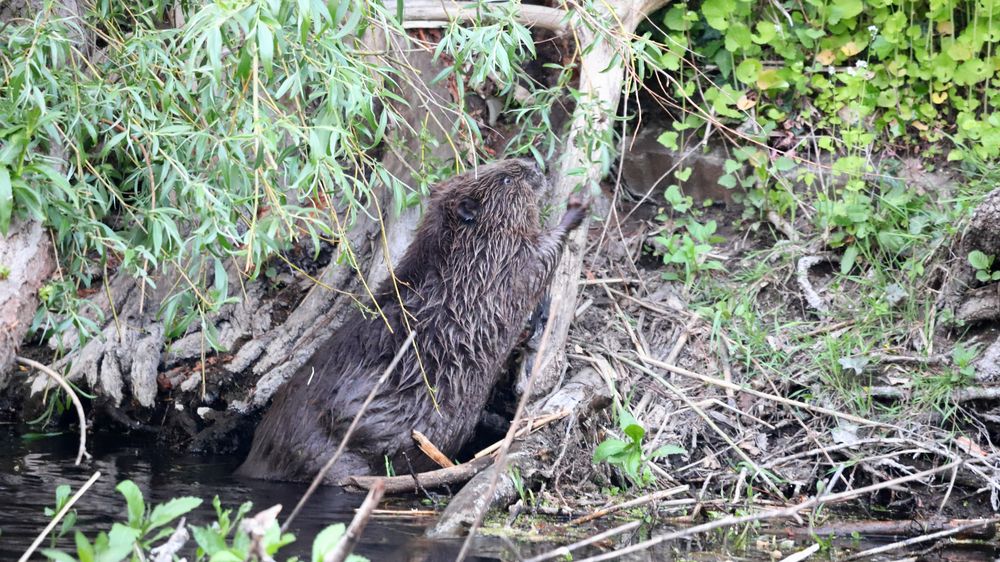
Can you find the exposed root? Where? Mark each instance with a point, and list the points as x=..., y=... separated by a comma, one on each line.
x=77, y=405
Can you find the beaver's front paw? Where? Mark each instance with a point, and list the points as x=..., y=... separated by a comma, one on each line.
x=576, y=210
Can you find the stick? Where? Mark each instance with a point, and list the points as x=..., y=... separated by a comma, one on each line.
x=564, y=551
x=867, y=554
x=350, y=431
x=62, y=512
x=721, y=383
x=430, y=479
x=629, y=504
x=357, y=526
x=425, y=12
x=802, y=554
x=431, y=450
x=534, y=424
x=771, y=514
x=82, y=450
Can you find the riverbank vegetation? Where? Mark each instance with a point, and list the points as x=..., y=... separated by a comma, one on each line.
x=785, y=299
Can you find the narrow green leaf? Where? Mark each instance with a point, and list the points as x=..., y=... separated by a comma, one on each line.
x=265, y=47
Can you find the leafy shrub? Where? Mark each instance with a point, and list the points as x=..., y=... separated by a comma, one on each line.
x=214, y=135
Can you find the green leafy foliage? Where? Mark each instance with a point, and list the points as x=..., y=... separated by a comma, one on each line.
x=628, y=455
x=983, y=264
x=221, y=541
x=927, y=68
x=214, y=145
x=687, y=250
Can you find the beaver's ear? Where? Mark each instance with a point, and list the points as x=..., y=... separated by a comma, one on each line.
x=467, y=210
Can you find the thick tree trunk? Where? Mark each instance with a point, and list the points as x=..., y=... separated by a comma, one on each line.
x=602, y=73
x=26, y=260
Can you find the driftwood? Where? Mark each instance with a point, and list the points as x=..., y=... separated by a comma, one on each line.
x=458, y=474
x=980, y=530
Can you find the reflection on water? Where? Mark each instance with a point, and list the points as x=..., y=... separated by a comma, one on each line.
x=31, y=471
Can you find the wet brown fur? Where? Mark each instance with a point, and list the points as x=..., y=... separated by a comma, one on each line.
x=477, y=268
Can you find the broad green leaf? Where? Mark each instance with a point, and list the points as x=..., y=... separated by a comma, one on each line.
x=121, y=540
x=608, y=449
x=748, y=70
x=843, y=9
x=209, y=540
x=635, y=431
x=770, y=79
x=848, y=259
x=133, y=497
x=326, y=540
x=716, y=12
x=167, y=512
x=738, y=38
x=979, y=260
x=668, y=139
x=57, y=555
x=84, y=550
x=265, y=46
x=667, y=450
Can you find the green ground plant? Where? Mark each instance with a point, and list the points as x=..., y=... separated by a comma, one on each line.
x=146, y=527
x=629, y=454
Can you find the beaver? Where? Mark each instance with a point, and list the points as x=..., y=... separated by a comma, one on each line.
x=477, y=268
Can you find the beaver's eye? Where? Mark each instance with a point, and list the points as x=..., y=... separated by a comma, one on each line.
x=507, y=180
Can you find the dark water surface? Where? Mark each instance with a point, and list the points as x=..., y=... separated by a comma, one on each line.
x=30, y=471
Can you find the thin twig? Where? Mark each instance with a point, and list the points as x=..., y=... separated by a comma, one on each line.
x=431, y=450
x=82, y=450
x=55, y=520
x=350, y=431
x=791, y=511
x=357, y=526
x=867, y=554
x=564, y=551
x=721, y=383
x=802, y=554
x=643, y=500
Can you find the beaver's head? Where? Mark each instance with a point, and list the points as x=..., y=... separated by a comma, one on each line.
x=497, y=199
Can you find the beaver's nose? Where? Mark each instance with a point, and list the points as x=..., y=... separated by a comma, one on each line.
x=532, y=172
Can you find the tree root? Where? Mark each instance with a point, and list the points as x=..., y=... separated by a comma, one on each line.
x=82, y=450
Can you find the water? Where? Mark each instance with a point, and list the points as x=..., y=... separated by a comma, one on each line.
x=30, y=471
